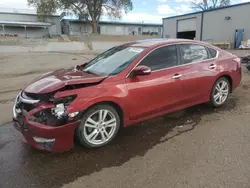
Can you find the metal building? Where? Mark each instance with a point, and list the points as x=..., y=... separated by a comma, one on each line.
x=21, y=23
x=81, y=27
x=227, y=24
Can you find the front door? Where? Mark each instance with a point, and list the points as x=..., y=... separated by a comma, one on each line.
x=161, y=90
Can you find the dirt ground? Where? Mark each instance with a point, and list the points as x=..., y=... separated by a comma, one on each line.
x=196, y=147
x=19, y=69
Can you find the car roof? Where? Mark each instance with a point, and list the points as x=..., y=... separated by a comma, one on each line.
x=158, y=42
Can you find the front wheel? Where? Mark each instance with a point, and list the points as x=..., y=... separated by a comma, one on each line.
x=99, y=126
x=220, y=92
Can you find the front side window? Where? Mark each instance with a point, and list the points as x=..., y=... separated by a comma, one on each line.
x=113, y=61
x=192, y=53
x=161, y=58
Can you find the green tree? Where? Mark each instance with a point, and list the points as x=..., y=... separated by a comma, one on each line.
x=89, y=10
x=201, y=5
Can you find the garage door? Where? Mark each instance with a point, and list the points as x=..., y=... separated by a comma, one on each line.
x=187, y=25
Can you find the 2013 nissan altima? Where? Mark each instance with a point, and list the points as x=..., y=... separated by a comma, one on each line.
x=123, y=86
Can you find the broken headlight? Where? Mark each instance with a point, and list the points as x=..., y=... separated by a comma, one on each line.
x=61, y=106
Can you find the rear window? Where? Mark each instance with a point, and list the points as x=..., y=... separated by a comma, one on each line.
x=213, y=52
x=193, y=53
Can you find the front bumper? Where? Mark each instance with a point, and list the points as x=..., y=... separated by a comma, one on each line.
x=44, y=137
x=63, y=136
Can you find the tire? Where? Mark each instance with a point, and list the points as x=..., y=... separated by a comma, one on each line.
x=220, y=93
x=91, y=133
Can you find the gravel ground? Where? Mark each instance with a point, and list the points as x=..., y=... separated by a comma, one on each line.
x=196, y=147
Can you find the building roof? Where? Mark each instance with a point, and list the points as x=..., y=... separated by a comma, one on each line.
x=115, y=23
x=21, y=11
x=31, y=24
x=230, y=6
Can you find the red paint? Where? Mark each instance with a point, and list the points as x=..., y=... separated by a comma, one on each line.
x=63, y=135
x=60, y=78
x=141, y=97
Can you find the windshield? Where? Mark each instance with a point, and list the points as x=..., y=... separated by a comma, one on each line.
x=113, y=61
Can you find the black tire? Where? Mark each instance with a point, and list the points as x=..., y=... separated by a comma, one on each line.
x=212, y=99
x=79, y=134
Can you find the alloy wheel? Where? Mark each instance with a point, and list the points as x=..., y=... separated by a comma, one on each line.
x=221, y=92
x=100, y=127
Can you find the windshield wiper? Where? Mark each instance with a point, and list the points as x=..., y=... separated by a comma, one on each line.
x=89, y=72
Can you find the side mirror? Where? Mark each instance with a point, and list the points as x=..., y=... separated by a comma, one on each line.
x=142, y=70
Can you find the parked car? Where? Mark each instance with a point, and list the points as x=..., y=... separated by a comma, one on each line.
x=125, y=85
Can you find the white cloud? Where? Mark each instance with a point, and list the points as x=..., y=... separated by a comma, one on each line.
x=165, y=9
x=144, y=2
x=18, y=4
x=244, y=1
x=183, y=8
x=162, y=1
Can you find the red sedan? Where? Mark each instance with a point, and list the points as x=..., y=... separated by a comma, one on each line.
x=123, y=86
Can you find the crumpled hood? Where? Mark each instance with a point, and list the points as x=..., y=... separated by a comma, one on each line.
x=58, y=79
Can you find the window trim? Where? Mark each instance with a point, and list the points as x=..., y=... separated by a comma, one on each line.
x=178, y=56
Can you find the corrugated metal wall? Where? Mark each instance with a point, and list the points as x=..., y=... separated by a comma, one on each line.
x=217, y=28
x=113, y=30
x=33, y=32
x=108, y=29
x=170, y=26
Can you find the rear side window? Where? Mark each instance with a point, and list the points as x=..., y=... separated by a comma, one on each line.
x=191, y=53
x=161, y=58
x=212, y=52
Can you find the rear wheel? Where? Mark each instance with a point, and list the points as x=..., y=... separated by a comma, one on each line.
x=99, y=126
x=220, y=92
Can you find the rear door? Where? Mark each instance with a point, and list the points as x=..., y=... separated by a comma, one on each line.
x=161, y=90
x=198, y=70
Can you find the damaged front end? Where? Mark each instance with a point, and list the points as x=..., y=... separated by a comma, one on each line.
x=44, y=120
x=44, y=109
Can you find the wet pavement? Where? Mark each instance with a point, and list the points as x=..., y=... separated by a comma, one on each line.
x=24, y=167
x=176, y=150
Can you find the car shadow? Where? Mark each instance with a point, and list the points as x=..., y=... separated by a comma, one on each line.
x=54, y=170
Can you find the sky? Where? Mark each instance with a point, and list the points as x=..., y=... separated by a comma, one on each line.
x=147, y=11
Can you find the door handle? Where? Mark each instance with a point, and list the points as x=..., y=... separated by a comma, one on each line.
x=213, y=66
x=176, y=76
